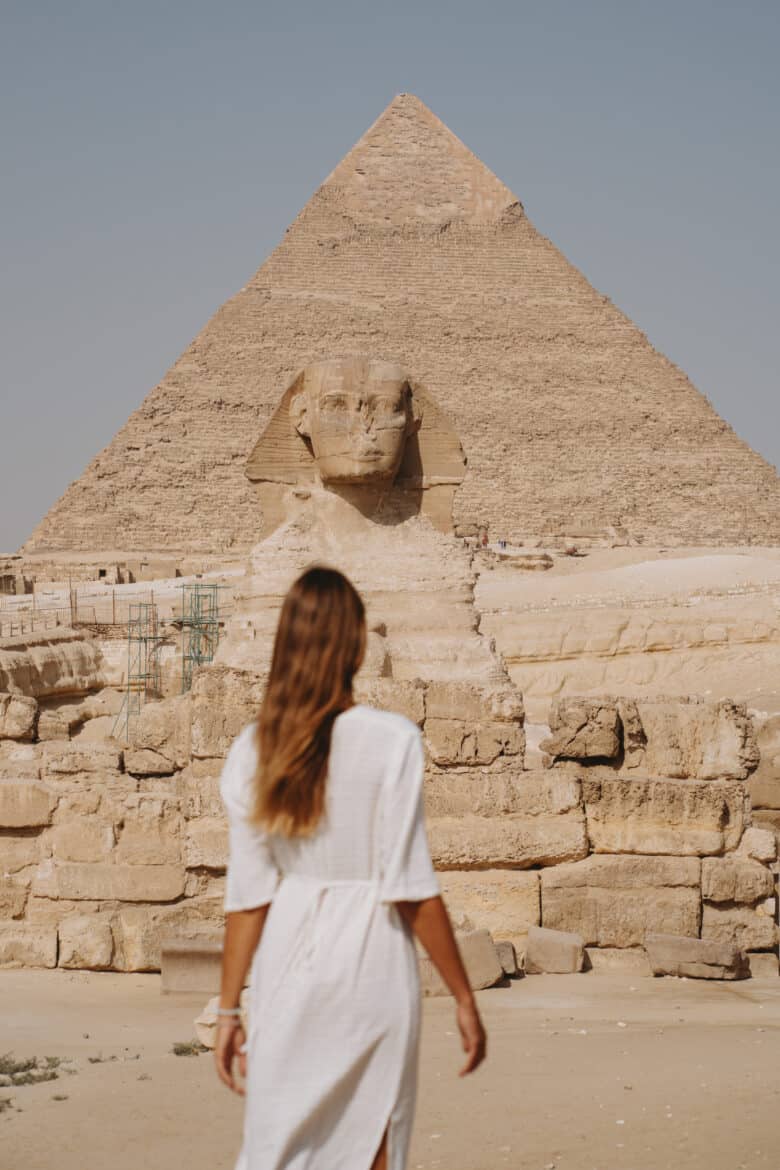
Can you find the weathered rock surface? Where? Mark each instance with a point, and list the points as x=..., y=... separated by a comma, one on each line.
x=50, y=663
x=480, y=959
x=765, y=781
x=688, y=738
x=28, y=945
x=86, y=941
x=583, y=729
x=24, y=804
x=735, y=879
x=224, y=701
x=662, y=816
x=513, y=841
x=553, y=952
x=695, y=958
x=760, y=844
x=18, y=716
x=505, y=902
x=749, y=929
x=458, y=742
x=615, y=901
x=106, y=882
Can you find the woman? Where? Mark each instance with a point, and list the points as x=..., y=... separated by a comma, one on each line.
x=329, y=866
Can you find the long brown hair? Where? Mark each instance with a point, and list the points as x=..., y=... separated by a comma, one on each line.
x=320, y=642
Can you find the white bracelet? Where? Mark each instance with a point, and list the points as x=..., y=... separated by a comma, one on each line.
x=228, y=1011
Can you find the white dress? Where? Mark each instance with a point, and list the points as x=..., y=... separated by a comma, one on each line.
x=334, y=1001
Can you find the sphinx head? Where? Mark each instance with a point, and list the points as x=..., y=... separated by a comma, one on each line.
x=357, y=413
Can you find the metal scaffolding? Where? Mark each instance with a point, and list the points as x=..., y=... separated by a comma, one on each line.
x=200, y=628
x=143, y=663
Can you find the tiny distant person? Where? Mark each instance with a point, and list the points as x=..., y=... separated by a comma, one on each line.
x=329, y=880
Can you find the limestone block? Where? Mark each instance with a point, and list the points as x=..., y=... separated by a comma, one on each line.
x=82, y=839
x=769, y=819
x=163, y=728
x=480, y=959
x=613, y=960
x=505, y=902
x=403, y=698
x=25, y=804
x=139, y=930
x=485, y=794
x=145, y=762
x=70, y=759
x=765, y=781
x=518, y=842
x=150, y=837
x=760, y=844
x=105, y=882
x=18, y=714
x=86, y=942
x=688, y=738
x=763, y=965
x=464, y=701
x=206, y=843
x=614, y=901
x=553, y=952
x=19, y=761
x=662, y=816
x=16, y=853
x=507, y=957
x=224, y=701
x=695, y=958
x=455, y=742
x=27, y=945
x=745, y=927
x=200, y=794
x=13, y=897
x=583, y=729
x=735, y=879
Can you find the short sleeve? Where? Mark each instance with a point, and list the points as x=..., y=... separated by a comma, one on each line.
x=252, y=875
x=407, y=870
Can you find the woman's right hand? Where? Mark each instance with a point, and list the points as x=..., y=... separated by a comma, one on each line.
x=230, y=1050
x=472, y=1034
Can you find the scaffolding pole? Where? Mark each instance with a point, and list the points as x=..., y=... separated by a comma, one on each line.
x=143, y=663
x=200, y=628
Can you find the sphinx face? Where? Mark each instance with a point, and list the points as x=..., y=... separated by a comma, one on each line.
x=358, y=415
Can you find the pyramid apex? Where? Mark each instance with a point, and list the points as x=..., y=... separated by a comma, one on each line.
x=410, y=168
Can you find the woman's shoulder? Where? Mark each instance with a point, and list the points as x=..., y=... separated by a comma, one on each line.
x=237, y=779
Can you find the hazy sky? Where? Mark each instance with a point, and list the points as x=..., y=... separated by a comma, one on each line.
x=154, y=152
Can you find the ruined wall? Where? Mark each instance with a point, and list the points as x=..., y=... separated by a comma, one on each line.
x=638, y=821
x=413, y=251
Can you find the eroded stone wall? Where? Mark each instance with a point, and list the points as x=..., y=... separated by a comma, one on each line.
x=637, y=820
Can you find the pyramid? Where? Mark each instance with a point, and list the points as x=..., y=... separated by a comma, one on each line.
x=413, y=251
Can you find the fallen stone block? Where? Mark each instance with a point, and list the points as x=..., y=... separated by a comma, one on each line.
x=191, y=962
x=735, y=879
x=480, y=959
x=615, y=901
x=86, y=942
x=27, y=945
x=695, y=958
x=663, y=817
x=24, y=804
x=583, y=729
x=763, y=965
x=507, y=957
x=18, y=716
x=614, y=960
x=553, y=952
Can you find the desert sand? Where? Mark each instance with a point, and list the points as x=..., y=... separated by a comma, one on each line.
x=589, y=1072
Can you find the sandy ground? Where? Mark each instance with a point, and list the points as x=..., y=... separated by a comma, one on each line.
x=584, y=1073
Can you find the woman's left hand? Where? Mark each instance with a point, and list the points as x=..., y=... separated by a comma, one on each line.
x=230, y=1042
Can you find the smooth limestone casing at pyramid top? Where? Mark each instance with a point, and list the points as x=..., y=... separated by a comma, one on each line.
x=413, y=251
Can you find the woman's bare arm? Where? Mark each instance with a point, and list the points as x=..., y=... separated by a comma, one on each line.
x=430, y=923
x=243, y=929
